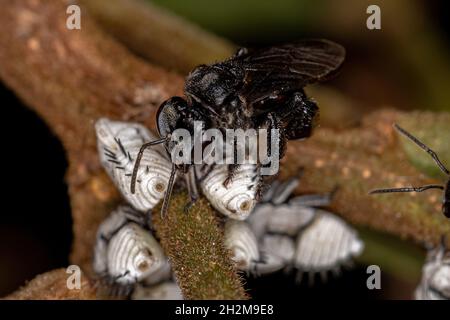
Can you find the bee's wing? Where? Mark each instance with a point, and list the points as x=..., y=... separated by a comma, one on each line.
x=274, y=70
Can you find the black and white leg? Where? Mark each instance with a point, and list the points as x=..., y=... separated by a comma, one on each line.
x=191, y=182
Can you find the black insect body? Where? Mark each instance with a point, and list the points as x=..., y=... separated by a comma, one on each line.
x=445, y=188
x=254, y=89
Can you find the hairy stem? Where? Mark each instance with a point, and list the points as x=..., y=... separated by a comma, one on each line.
x=194, y=243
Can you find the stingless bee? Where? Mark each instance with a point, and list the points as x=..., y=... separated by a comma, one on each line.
x=260, y=88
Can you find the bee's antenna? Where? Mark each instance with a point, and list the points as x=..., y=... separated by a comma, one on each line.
x=424, y=147
x=138, y=160
x=168, y=193
x=408, y=189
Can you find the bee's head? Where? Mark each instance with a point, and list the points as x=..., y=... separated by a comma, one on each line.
x=176, y=121
x=171, y=115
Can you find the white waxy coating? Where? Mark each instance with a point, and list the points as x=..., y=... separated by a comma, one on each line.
x=106, y=230
x=238, y=199
x=242, y=243
x=124, y=247
x=284, y=218
x=326, y=244
x=118, y=146
x=278, y=252
x=133, y=254
x=288, y=219
x=435, y=282
x=165, y=291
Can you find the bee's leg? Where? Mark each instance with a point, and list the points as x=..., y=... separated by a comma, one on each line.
x=299, y=117
x=205, y=171
x=273, y=121
x=191, y=182
x=233, y=167
x=265, y=189
x=267, y=185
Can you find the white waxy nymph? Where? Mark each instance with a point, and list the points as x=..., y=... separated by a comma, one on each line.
x=238, y=199
x=290, y=219
x=133, y=254
x=278, y=252
x=323, y=241
x=242, y=243
x=168, y=290
x=125, y=251
x=326, y=244
x=274, y=214
x=118, y=145
x=435, y=282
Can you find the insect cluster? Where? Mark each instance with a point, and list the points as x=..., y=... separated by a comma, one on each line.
x=285, y=232
x=280, y=232
x=254, y=89
x=127, y=257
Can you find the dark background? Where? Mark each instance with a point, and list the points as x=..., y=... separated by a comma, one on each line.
x=35, y=221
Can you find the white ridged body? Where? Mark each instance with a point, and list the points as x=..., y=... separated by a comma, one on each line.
x=133, y=254
x=238, y=199
x=118, y=218
x=325, y=244
x=278, y=252
x=126, y=252
x=242, y=243
x=283, y=218
x=435, y=282
x=154, y=170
